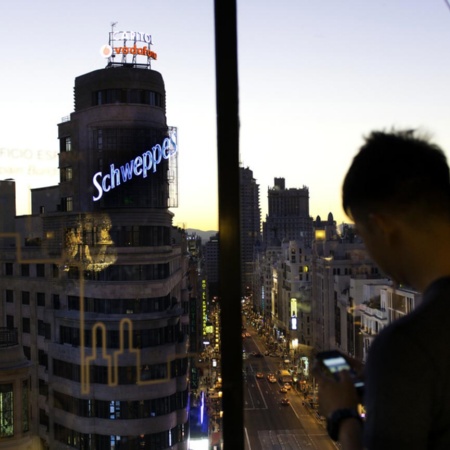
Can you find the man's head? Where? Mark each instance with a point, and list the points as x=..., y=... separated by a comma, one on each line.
x=397, y=184
x=397, y=172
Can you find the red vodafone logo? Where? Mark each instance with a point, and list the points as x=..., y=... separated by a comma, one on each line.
x=106, y=51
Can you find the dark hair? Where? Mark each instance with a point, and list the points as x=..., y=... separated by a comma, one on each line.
x=397, y=171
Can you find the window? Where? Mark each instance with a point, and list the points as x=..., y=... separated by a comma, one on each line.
x=7, y=410
x=9, y=322
x=67, y=204
x=25, y=298
x=40, y=298
x=25, y=270
x=27, y=352
x=8, y=268
x=41, y=328
x=9, y=295
x=56, y=302
x=26, y=325
x=25, y=407
x=65, y=174
x=67, y=144
x=40, y=270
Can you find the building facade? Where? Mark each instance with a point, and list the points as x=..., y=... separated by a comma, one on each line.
x=100, y=295
x=250, y=231
x=288, y=215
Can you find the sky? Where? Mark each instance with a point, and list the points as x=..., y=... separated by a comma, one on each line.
x=314, y=78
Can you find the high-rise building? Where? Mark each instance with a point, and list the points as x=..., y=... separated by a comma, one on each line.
x=99, y=295
x=288, y=216
x=250, y=231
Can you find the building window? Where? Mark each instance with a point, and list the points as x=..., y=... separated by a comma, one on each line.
x=26, y=325
x=43, y=358
x=25, y=407
x=67, y=204
x=40, y=298
x=25, y=270
x=25, y=298
x=7, y=410
x=66, y=174
x=27, y=352
x=56, y=302
x=40, y=270
x=68, y=144
x=55, y=271
x=8, y=268
x=41, y=328
x=9, y=322
x=9, y=294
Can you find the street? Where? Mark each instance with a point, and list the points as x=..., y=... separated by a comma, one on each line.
x=270, y=425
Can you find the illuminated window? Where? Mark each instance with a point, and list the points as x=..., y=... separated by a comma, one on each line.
x=67, y=204
x=67, y=144
x=66, y=174
x=7, y=410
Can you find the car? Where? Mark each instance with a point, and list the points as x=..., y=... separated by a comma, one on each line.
x=266, y=353
x=272, y=380
x=285, y=401
x=259, y=375
x=247, y=334
x=287, y=386
x=283, y=390
x=270, y=375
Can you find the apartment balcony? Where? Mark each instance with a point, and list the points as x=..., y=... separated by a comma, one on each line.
x=380, y=314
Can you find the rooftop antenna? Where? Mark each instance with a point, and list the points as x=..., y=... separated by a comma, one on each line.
x=111, y=42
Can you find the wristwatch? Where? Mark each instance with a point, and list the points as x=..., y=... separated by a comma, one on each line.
x=335, y=419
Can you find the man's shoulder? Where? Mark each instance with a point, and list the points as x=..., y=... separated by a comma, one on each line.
x=423, y=325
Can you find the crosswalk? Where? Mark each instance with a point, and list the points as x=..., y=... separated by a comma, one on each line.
x=284, y=440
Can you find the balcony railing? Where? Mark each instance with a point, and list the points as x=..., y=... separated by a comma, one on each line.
x=8, y=337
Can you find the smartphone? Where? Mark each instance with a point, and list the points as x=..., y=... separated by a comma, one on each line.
x=334, y=361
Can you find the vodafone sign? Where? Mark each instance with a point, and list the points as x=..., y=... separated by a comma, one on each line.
x=128, y=46
x=107, y=51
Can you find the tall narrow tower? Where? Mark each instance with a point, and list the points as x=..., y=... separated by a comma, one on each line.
x=250, y=225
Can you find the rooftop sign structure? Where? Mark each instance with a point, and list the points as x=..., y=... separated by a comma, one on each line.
x=128, y=49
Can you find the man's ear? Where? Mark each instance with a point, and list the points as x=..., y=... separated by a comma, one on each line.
x=385, y=224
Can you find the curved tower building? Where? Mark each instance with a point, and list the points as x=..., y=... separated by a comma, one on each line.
x=107, y=313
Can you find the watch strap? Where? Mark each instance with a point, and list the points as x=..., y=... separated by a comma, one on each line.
x=335, y=419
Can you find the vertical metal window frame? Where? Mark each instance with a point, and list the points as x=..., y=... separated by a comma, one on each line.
x=229, y=220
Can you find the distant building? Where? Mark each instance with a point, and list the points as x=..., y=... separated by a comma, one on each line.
x=378, y=311
x=340, y=268
x=288, y=216
x=250, y=232
x=211, y=260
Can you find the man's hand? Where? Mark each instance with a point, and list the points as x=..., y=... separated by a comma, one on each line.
x=334, y=394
